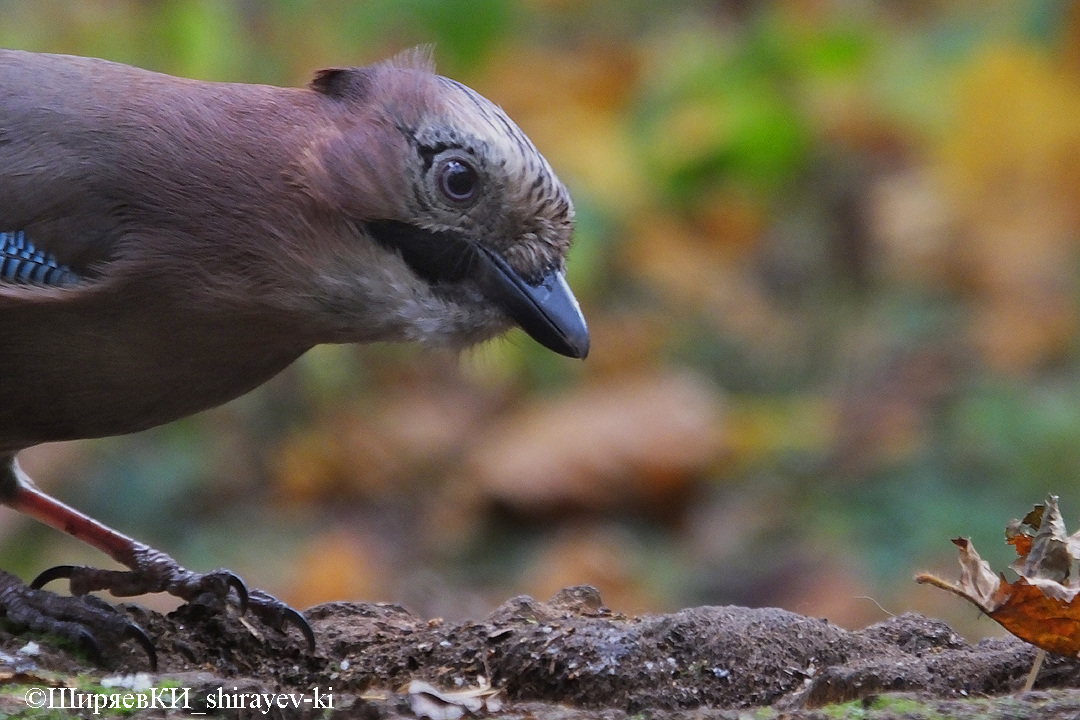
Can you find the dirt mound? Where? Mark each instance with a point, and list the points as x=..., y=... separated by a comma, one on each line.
x=570, y=650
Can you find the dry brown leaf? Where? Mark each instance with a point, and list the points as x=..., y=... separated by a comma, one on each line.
x=1041, y=606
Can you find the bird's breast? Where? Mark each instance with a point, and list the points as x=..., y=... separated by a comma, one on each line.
x=120, y=362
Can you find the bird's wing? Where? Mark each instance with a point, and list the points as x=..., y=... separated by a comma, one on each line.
x=23, y=263
x=54, y=228
x=57, y=219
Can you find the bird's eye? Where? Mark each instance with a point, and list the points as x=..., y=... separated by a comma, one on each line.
x=458, y=181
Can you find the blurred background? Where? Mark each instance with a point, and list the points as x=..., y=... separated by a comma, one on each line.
x=830, y=255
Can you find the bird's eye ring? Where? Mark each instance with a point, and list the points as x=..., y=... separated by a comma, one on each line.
x=458, y=181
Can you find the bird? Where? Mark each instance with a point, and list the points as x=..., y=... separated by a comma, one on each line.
x=169, y=244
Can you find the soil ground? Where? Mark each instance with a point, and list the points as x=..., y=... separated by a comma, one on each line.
x=566, y=658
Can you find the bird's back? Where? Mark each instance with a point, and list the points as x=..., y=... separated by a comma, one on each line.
x=88, y=151
x=88, y=147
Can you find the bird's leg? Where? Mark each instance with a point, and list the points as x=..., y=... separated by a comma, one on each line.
x=150, y=570
x=83, y=621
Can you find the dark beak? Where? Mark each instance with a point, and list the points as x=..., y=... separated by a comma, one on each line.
x=547, y=311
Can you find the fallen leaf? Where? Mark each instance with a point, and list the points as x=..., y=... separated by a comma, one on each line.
x=1041, y=606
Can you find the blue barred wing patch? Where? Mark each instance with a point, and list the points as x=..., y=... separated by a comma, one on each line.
x=21, y=262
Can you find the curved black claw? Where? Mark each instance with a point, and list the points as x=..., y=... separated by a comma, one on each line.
x=92, y=646
x=86, y=620
x=154, y=571
x=136, y=633
x=279, y=616
x=300, y=622
x=232, y=580
x=57, y=572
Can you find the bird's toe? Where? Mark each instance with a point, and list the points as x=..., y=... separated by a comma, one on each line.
x=86, y=621
x=279, y=616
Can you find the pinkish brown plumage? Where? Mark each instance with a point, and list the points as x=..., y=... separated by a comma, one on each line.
x=167, y=245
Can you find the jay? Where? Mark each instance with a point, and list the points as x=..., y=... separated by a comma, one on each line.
x=167, y=245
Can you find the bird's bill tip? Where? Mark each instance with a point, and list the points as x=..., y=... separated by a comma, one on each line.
x=547, y=311
x=563, y=328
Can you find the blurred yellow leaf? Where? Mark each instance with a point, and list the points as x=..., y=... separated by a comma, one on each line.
x=322, y=461
x=766, y=427
x=337, y=566
x=700, y=269
x=1012, y=166
x=572, y=104
x=379, y=449
x=1015, y=126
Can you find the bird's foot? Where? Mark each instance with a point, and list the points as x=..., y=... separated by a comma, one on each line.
x=154, y=571
x=86, y=621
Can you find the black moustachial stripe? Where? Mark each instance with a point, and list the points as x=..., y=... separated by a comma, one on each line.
x=435, y=256
x=21, y=262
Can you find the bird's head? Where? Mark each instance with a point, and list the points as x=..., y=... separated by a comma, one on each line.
x=468, y=223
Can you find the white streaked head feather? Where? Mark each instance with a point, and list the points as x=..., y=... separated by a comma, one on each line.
x=381, y=169
x=530, y=183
